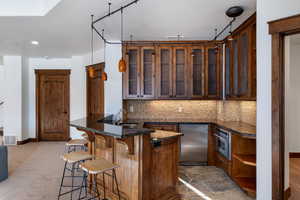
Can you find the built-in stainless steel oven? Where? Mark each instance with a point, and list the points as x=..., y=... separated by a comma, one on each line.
x=223, y=143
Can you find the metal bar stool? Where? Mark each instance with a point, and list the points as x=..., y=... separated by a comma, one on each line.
x=94, y=168
x=73, y=159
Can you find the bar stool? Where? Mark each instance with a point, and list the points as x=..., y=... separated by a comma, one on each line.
x=73, y=159
x=74, y=144
x=94, y=168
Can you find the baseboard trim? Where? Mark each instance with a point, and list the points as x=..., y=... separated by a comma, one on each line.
x=294, y=155
x=287, y=193
x=26, y=141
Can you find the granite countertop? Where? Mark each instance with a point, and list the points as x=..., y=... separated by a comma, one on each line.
x=98, y=126
x=242, y=128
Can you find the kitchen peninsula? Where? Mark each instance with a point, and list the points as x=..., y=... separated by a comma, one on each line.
x=147, y=159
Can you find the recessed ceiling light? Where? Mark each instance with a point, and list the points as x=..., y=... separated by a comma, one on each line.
x=35, y=42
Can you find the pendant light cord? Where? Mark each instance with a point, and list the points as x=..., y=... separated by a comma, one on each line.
x=104, y=51
x=122, y=25
x=92, y=41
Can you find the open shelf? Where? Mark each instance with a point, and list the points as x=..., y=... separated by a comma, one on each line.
x=246, y=159
x=247, y=183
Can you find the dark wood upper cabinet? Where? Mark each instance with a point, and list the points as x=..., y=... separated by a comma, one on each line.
x=180, y=72
x=131, y=79
x=197, y=58
x=240, y=63
x=193, y=70
x=147, y=80
x=164, y=73
x=213, y=73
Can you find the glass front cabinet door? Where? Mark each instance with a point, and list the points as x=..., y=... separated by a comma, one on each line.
x=180, y=72
x=131, y=81
x=197, y=57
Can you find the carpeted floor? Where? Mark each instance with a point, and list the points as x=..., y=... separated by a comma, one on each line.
x=35, y=170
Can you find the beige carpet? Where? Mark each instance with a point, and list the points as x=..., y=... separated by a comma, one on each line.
x=35, y=171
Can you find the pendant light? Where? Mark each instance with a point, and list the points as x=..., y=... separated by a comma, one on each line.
x=104, y=75
x=122, y=62
x=91, y=70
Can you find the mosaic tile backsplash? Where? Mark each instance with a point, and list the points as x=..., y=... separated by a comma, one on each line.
x=243, y=111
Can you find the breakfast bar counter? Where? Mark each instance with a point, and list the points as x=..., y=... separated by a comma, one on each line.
x=147, y=159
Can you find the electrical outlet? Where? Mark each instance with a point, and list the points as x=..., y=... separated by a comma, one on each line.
x=131, y=109
x=180, y=109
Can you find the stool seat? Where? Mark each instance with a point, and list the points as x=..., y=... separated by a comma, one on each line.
x=74, y=157
x=77, y=142
x=97, y=166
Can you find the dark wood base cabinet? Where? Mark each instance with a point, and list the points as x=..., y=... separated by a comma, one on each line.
x=242, y=166
x=147, y=171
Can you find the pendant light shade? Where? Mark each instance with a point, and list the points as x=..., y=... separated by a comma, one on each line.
x=104, y=76
x=122, y=62
x=122, y=65
x=92, y=72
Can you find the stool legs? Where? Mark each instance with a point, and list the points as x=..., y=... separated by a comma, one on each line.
x=62, y=181
x=72, y=186
x=93, y=186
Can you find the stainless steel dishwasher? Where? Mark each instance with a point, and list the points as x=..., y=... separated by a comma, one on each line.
x=194, y=144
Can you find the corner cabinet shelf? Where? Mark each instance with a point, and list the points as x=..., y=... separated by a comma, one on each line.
x=246, y=159
x=243, y=170
x=248, y=184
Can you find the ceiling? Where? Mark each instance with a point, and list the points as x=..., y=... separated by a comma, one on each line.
x=65, y=30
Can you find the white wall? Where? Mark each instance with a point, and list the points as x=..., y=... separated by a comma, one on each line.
x=267, y=10
x=13, y=96
x=1, y=93
x=113, y=85
x=77, y=89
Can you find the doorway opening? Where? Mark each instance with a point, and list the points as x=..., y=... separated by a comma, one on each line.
x=283, y=97
x=292, y=116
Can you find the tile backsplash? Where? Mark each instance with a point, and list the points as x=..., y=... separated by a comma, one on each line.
x=244, y=111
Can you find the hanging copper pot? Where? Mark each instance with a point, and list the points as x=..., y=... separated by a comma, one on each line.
x=122, y=65
x=104, y=76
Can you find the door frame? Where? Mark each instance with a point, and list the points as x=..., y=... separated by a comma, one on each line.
x=279, y=29
x=38, y=73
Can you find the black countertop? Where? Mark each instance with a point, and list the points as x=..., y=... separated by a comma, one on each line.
x=97, y=125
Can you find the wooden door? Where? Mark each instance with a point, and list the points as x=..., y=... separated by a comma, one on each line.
x=180, y=72
x=164, y=73
x=95, y=91
x=53, y=104
x=213, y=73
x=147, y=80
x=197, y=72
x=131, y=79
